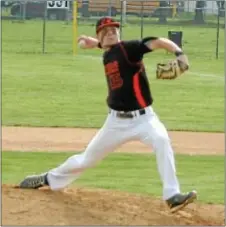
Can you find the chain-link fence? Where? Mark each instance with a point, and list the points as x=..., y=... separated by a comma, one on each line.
x=40, y=26
x=198, y=12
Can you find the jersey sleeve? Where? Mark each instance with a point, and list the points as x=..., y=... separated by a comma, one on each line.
x=135, y=49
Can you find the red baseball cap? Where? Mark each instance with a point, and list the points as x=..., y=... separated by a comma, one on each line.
x=106, y=21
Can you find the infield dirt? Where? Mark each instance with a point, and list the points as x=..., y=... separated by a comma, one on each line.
x=83, y=206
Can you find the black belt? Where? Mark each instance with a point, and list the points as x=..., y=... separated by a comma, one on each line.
x=129, y=114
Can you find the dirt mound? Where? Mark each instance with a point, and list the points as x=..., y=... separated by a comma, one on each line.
x=79, y=206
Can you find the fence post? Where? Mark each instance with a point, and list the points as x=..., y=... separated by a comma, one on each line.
x=74, y=27
x=24, y=10
x=218, y=28
x=142, y=18
x=109, y=8
x=44, y=30
x=124, y=11
x=121, y=19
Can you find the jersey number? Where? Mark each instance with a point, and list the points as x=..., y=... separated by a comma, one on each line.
x=113, y=74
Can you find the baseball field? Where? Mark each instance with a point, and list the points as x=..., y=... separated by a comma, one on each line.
x=54, y=103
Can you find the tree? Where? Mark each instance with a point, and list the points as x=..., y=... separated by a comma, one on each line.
x=6, y=4
x=221, y=7
x=199, y=12
x=220, y=4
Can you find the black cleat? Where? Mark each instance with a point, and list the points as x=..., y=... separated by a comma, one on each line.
x=179, y=201
x=34, y=181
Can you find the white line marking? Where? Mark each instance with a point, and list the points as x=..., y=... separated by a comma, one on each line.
x=215, y=76
x=207, y=75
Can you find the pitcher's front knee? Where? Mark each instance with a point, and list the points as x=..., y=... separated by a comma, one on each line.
x=161, y=142
x=85, y=163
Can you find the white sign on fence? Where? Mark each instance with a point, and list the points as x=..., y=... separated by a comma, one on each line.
x=57, y=4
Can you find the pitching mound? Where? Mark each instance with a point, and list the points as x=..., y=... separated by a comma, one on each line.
x=97, y=207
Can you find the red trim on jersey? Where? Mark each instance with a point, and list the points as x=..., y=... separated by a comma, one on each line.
x=137, y=90
x=136, y=82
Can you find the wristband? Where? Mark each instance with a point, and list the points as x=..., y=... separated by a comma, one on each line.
x=178, y=53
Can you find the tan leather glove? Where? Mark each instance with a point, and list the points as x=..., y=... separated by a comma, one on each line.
x=172, y=69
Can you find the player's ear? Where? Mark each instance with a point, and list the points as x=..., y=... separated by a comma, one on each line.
x=118, y=31
x=98, y=36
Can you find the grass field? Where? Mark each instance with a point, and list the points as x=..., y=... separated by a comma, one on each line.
x=58, y=89
x=127, y=172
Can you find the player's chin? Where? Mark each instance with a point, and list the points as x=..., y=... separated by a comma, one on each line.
x=110, y=44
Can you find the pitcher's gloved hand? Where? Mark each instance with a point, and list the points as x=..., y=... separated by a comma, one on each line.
x=172, y=69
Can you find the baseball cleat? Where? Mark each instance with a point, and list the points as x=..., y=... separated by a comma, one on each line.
x=179, y=201
x=34, y=181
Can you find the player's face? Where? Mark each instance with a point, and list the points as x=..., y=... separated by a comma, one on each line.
x=108, y=36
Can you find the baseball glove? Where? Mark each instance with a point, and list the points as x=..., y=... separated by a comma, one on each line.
x=172, y=69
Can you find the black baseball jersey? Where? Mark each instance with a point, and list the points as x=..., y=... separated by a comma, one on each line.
x=128, y=86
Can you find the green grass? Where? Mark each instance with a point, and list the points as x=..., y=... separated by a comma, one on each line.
x=127, y=172
x=59, y=89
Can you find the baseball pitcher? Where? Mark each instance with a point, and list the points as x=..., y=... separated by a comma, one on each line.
x=131, y=115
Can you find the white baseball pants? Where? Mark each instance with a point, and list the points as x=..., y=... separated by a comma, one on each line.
x=147, y=128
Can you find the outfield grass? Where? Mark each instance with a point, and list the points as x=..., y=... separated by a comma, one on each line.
x=58, y=89
x=127, y=172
